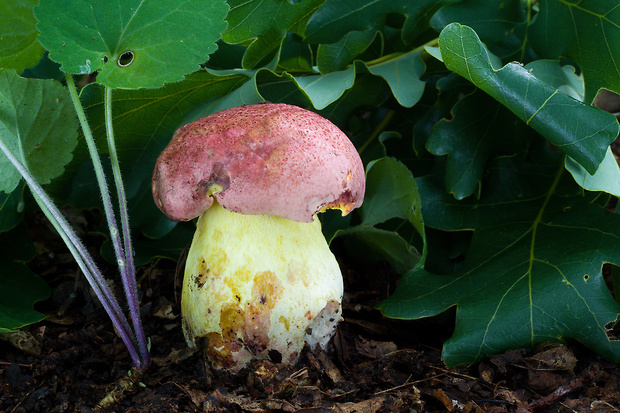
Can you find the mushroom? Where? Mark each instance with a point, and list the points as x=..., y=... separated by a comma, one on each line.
x=260, y=279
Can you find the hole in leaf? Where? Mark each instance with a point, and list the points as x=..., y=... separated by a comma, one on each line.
x=125, y=59
x=105, y=59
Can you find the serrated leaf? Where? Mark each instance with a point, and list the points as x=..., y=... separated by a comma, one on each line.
x=133, y=44
x=532, y=272
x=606, y=178
x=38, y=124
x=45, y=69
x=580, y=131
x=19, y=48
x=587, y=32
x=263, y=23
x=20, y=288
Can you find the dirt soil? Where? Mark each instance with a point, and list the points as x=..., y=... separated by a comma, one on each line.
x=73, y=359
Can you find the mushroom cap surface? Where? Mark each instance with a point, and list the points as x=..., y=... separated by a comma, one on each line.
x=264, y=159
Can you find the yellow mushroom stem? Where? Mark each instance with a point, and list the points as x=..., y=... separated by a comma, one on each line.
x=258, y=287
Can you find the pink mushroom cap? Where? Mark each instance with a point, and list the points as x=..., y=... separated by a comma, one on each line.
x=264, y=159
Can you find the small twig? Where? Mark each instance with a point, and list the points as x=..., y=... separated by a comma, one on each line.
x=558, y=393
x=126, y=384
x=7, y=363
x=400, y=386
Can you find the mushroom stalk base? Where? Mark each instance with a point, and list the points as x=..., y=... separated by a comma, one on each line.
x=258, y=287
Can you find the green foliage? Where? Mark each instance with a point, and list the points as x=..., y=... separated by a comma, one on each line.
x=39, y=126
x=19, y=47
x=532, y=272
x=586, y=32
x=20, y=288
x=473, y=118
x=582, y=132
x=133, y=44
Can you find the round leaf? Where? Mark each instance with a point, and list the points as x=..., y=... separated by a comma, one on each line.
x=133, y=43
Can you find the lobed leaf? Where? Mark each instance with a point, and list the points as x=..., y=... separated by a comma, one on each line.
x=502, y=26
x=580, y=131
x=403, y=74
x=132, y=43
x=338, y=17
x=532, y=273
x=263, y=24
x=337, y=56
x=391, y=193
x=480, y=128
x=38, y=124
x=588, y=33
x=606, y=178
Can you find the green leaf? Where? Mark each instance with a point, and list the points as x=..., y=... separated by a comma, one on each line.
x=38, y=124
x=295, y=55
x=20, y=288
x=325, y=89
x=560, y=77
x=337, y=56
x=606, y=178
x=45, y=69
x=580, y=131
x=500, y=25
x=533, y=270
x=391, y=193
x=19, y=48
x=11, y=208
x=588, y=33
x=338, y=17
x=403, y=75
x=132, y=43
x=263, y=24
x=480, y=128
x=372, y=244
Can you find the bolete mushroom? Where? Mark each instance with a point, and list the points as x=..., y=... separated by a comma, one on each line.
x=260, y=279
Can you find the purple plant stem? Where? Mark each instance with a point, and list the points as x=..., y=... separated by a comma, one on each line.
x=129, y=276
x=128, y=279
x=79, y=252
